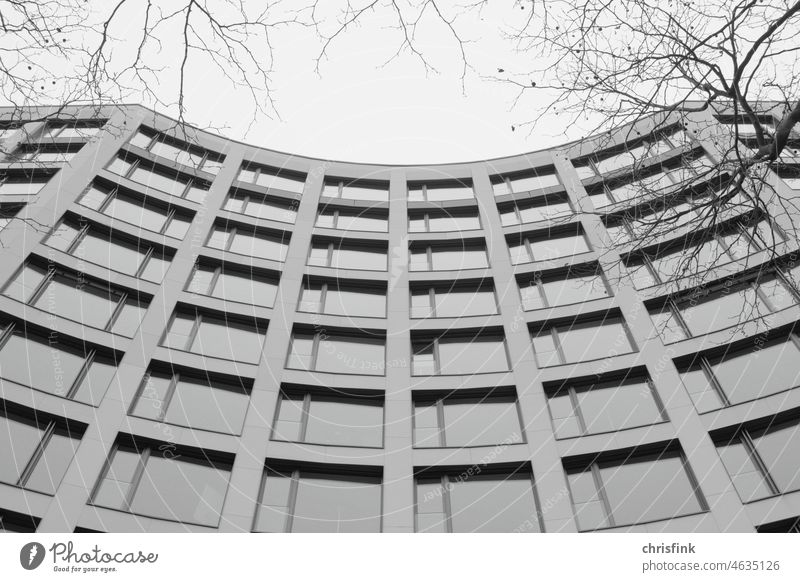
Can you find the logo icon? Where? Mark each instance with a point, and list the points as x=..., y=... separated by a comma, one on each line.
x=31, y=555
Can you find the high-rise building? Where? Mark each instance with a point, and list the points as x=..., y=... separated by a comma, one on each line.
x=203, y=335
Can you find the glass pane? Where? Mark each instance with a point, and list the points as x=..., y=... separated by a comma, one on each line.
x=201, y=280
x=426, y=425
x=431, y=517
x=457, y=259
x=94, y=384
x=472, y=356
x=563, y=414
x=337, y=504
x=588, y=508
x=351, y=356
x=347, y=422
x=300, y=352
x=575, y=290
x=487, y=504
x=724, y=309
x=205, y=406
x=94, y=198
x=230, y=341
x=114, y=488
x=453, y=223
x=779, y=448
x=667, y=325
x=169, y=183
x=116, y=255
x=136, y=213
x=465, y=302
x=420, y=303
x=40, y=363
x=290, y=418
x=129, y=318
x=62, y=236
x=534, y=182
x=310, y=299
x=362, y=222
x=25, y=283
x=589, y=341
x=255, y=290
x=74, y=299
x=545, y=348
x=649, y=490
x=355, y=302
x=179, y=331
x=758, y=372
x=273, y=509
x=611, y=407
x=290, y=184
x=156, y=268
x=181, y=490
x=19, y=438
x=258, y=246
x=362, y=259
x=746, y=476
x=556, y=247
x=151, y=402
x=177, y=227
x=263, y=208
x=440, y=193
x=703, y=394
x=481, y=421
x=54, y=462
x=350, y=192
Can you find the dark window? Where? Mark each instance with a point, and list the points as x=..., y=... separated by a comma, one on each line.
x=234, y=285
x=579, y=341
x=215, y=336
x=456, y=354
x=342, y=299
x=340, y=354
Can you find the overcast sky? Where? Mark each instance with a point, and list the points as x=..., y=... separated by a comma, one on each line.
x=359, y=109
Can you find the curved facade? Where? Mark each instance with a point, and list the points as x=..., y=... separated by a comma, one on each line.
x=202, y=335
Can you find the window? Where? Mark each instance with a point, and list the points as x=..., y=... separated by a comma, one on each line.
x=443, y=221
x=45, y=153
x=165, y=482
x=762, y=457
x=178, y=152
x=689, y=258
x=791, y=525
x=243, y=240
x=231, y=284
x=478, y=353
x=583, y=283
x=22, y=183
x=89, y=242
x=80, y=130
x=547, y=246
x=11, y=521
x=334, y=417
x=635, y=153
x=452, y=420
x=440, y=191
x=744, y=371
x=541, y=208
x=453, y=301
x=216, y=336
x=633, y=488
x=448, y=257
x=35, y=448
x=261, y=206
x=582, y=340
x=790, y=174
x=356, y=189
x=349, y=219
x=336, y=298
x=337, y=353
x=137, y=211
x=606, y=405
x=8, y=212
x=273, y=178
x=524, y=181
x=69, y=369
x=347, y=255
x=488, y=502
x=74, y=296
x=705, y=310
x=317, y=501
x=187, y=399
x=160, y=178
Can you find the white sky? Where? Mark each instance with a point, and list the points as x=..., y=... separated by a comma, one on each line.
x=359, y=110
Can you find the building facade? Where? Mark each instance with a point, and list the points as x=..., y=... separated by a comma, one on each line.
x=203, y=335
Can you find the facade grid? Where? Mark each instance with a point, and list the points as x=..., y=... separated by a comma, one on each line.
x=203, y=335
